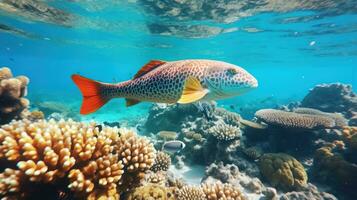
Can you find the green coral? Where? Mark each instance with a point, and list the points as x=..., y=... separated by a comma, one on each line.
x=283, y=171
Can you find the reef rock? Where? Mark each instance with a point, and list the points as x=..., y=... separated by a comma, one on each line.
x=310, y=192
x=12, y=93
x=283, y=171
x=334, y=97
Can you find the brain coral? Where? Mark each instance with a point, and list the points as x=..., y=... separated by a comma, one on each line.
x=162, y=162
x=190, y=193
x=223, y=131
x=151, y=192
x=283, y=171
x=89, y=161
x=219, y=191
x=12, y=92
x=294, y=120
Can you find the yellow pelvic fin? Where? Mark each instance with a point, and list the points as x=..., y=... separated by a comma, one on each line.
x=131, y=102
x=192, y=91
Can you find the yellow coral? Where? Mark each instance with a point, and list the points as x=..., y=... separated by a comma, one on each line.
x=47, y=151
x=151, y=192
x=218, y=191
x=283, y=170
x=190, y=192
x=162, y=162
x=137, y=155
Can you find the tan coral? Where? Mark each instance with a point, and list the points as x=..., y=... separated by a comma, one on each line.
x=228, y=117
x=159, y=178
x=294, y=120
x=12, y=92
x=137, y=155
x=50, y=151
x=223, y=131
x=218, y=191
x=162, y=162
x=151, y=192
x=190, y=192
x=283, y=171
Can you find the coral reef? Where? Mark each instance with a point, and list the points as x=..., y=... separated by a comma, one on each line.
x=335, y=163
x=283, y=171
x=93, y=163
x=310, y=192
x=222, y=191
x=152, y=192
x=191, y=192
x=51, y=107
x=223, y=131
x=162, y=162
x=334, y=97
x=294, y=120
x=137, y=155
x=12, y=93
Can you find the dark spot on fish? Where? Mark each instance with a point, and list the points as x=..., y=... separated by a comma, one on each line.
x=100, y=127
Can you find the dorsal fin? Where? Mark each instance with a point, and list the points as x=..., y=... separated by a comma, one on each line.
x=148, y=67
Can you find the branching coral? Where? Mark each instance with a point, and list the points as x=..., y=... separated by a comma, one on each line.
x=294, y=120
x=219, y=191
x=49, y=151
x=159, y=178
x=162, y=162
x=190, y=192
x=12, y=92
x=283, y=170
x=228, y=117
x=223, y=131
x=138, y=156
x=91, y=161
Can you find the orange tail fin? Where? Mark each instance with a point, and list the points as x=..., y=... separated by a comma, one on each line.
x=93, y=97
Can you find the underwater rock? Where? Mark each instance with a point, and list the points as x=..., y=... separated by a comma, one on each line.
x=12, y=93
x=50, y=107
x=310, y=192
x=162, y=162
x=37, y=10
x=152, y=192
x=72, y=156
x=334, y=97
x=283, y=171
x=169, y=118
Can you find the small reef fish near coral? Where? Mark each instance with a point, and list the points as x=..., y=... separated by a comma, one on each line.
x=173, y=146
x=183, y=82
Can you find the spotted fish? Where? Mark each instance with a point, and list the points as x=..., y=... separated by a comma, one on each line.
x=183, y=81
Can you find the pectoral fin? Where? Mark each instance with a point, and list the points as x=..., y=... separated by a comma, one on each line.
x=192, y=91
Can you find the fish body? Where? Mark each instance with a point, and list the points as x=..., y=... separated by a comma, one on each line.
x=173, y=146
x=184, y=81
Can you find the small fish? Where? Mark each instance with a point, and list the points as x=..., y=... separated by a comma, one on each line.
x=173, y=146
x=183, y=82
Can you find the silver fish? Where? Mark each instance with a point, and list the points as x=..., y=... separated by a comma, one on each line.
x=173, y=146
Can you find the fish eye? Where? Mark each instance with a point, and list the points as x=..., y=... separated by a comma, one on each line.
x=231, y=72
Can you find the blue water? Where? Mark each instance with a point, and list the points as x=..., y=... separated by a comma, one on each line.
x=288, y=52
